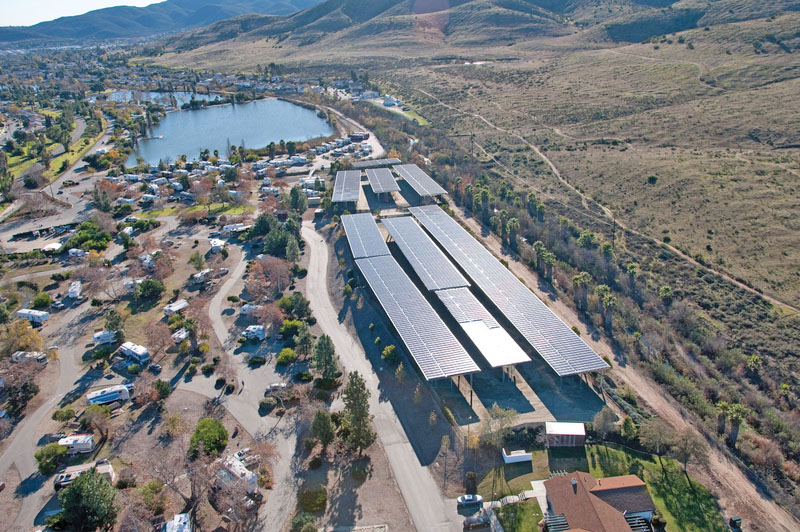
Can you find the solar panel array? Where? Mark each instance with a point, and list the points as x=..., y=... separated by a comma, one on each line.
x=432, y=345
x=556, y=343
x=347, y=186
x=493, y=341
x=421, y=182
x=375, y=163
x=431, y=265
x=363, y=235
x=381, y=180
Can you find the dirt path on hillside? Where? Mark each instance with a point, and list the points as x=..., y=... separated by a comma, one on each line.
x=736, y=494
x=606, y=211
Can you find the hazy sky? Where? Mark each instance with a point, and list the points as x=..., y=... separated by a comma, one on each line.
x=27, y=12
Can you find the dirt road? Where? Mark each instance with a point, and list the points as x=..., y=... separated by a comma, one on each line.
x=429, y=510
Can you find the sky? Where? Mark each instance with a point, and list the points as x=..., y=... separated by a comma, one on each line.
x=28, y=12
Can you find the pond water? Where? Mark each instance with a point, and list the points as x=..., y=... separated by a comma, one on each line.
x=255, y=124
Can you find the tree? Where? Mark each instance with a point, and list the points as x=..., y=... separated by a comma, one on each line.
x=604, y=422
x=209, y=436
x=196, y=260
x=325, y=359
x=495, y=427
x=173, y=425
x=303, y=341
x=297, y=199
x=48, y=457
x=19, y=336
x=359, y=421
x=736, y=415
x=292, y=250
x=581, y=283
x=723, y=409
x=159, y=337
x=63, y=415
x=629, y=429
x=322, y=427
x=89, y=502
x=689, y=446
x=162, y=388
x=42, y=300
x=654, y=434
x=114, y=322
x=633, y=271
x=149, y=289
x=97, y=417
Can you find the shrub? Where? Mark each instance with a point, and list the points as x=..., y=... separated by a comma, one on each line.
x=359, y=474
x=448, y=415
x=290, y=328
x=42, y=300
x=256, y=361
x=208, y=369
x=63, y=415
x=209, y=436
x=315, y=463
x=286, y=356
x=220, y=382
x=195, y=360
x=126, y=482
x=266, y=405
x=314, y=500
x=301, y=520
x=303, y=376
x=229, y=389
x=191, y=371
x=48, y=457
x=233, y=299
x=134, y=369
x=163, y=388
x=389, y=354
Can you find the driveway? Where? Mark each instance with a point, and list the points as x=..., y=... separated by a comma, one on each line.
x=429, y=510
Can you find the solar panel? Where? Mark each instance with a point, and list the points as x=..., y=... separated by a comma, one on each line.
x=555, y=342
x=375, y=163
x=431, y=265
x=494, y=342
x=363, y=235
x=347, y=186
x=432, y=345
x=421, y=182
x=381, y=180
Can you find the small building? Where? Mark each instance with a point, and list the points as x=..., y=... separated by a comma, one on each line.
x=561, y=434
x=175, y=307
x=78, y=443
x=75, y=290
x=34, y=316
x=29, y=356
x=178, y=523
x=120, y=392
x=104, y=337
x=250, y=309
x=136, y=353
x=180, y=335
x=66, y=478
x=217, y=245
x=257, y=332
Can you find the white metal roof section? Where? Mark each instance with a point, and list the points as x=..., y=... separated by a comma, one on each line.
x=564, y=428
x=381, y=180
x=432, y=345
x=374, y=163
x=429, y=262
x=556, y=343
x=347, y=187
x=421, y=182
x=363, y=236
x=494, y=342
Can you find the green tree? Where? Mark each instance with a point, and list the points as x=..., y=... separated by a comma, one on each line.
x=297, y=199
x=42, y=300
x=325, y=359
x=48, y=457
x=604, y=422
x=736, y=415
x=209, y=437
x=322, y=427
x=114, y=322
x=88, y=502
x=292, y=250
x=196, y=260
x=581, y=284
x=359, y=421
x=304, y=341
x=162, y=388
x=149, y=289
x=723, y=409
x=512, y=228
x=629, y=429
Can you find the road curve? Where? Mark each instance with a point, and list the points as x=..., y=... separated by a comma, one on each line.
x=428, y=509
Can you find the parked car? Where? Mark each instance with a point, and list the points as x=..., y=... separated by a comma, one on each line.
x=275, y=387
x=58, y=305
x=476, y=523
x=55, y=436
x=469, y=500
x=154, y=368
x=241, y=453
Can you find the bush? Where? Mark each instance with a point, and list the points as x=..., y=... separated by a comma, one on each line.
x=208, y=369
x=315, y=463
x=256, y=361
x=163, y=388
x=229, y=389
x=126, y=482
x=301, y=520
x=103, y=351
x=191, y=371
x=286, y=356
x=359, y=474
x=266, y=405
x=209, y=436
x=149, y=289
x=42, y=300
x=389, y=354
x=219, y=383
x=134, y=369
x=195, y=360
x=233, y=299
x=303, y=376
x=48, y=457
x=290, y=328
x=314, y=500
x=63, y=415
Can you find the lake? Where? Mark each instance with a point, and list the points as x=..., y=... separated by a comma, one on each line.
x=254, y=123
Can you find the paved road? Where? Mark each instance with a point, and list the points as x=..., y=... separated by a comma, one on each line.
x=429, y=510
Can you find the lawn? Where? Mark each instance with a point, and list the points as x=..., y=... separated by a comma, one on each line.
x=521, y=517
x=687, y=505
x=223, y=208
x=419, y=118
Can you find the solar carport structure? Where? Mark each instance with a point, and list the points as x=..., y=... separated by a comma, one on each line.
x=363, y=235
x=347, y=187
x=429, y=262
x=382, y=181
x=421, y=182
x=432, y=345
x=556, y=343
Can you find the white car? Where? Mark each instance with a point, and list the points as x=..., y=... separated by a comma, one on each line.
x=241, y=453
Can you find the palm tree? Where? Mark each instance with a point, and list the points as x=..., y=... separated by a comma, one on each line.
x=532, y=203
x=601, y=291
x=549, y=260
x=736, y=414
x=540, y=250
x=633, y=270
x=581, y=283
x=512, y=228
x=609, y=304
x=723, y=409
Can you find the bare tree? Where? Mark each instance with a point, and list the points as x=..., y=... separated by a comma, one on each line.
x=159, y=337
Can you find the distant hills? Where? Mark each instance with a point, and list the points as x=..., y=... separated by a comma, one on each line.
x=171, y=16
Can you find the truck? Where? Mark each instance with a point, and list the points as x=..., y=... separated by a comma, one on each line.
x=119, y=392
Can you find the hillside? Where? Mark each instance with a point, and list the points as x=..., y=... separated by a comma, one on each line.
x=165, y=17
